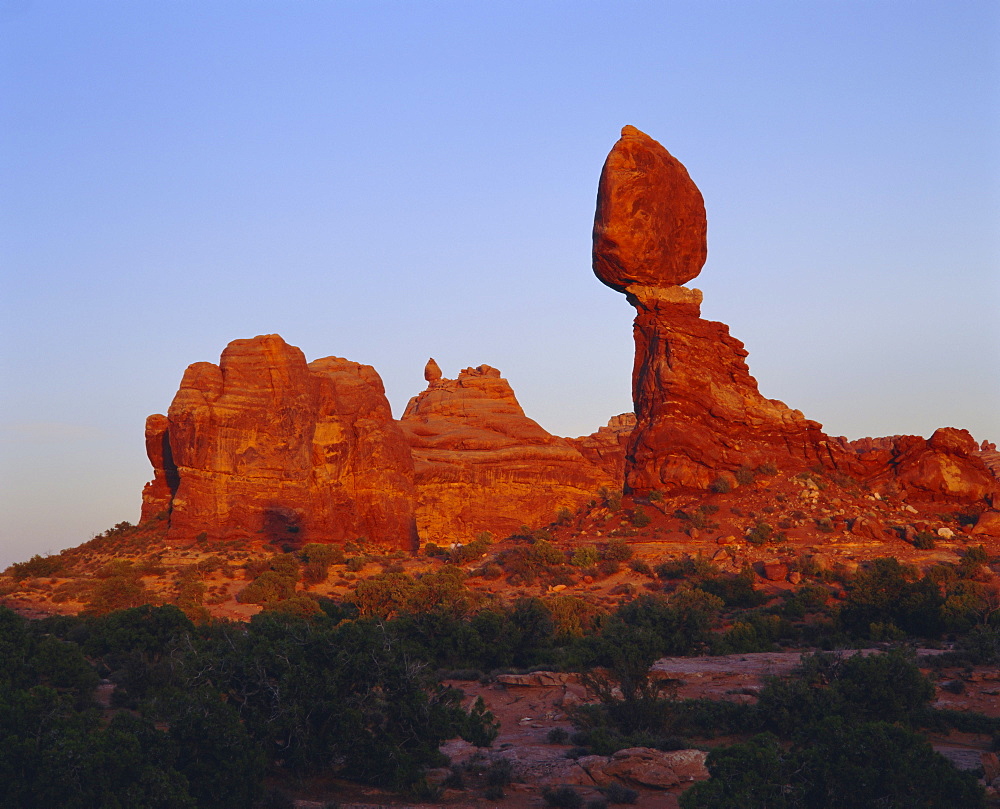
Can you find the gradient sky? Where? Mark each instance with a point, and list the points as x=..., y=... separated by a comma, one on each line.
x=385, y=181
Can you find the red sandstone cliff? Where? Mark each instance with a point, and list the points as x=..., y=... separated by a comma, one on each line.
x=265, y=446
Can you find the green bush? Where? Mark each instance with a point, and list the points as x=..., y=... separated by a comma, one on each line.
x=616, y=550
x=584, y=556
x=639, y=518
x=562, y=797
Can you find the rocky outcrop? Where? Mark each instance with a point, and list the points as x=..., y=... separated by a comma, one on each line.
x=645, y=766
x=480, y=464
x=266, y=446
x=606, y=447
x=948, y=466
x=698, y=410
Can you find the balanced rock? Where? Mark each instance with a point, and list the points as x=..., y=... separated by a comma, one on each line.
x=432, y=371
x=698, y=409
x=480, y=464
x=650, y=224
x=266, y=446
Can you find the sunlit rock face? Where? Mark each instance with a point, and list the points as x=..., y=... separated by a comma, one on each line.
x=699, y=412
x=266, y=446
x=482, y=465
x=650, y=225
x=949, y=466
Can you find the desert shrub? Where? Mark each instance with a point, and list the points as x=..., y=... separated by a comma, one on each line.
x=571, y=616
x=562, y=797
x=500, y=773
x=923, y=540
x=318, y=558
x=563, y=516
x=842, y=765
x=723, y=484
x=619, y=793
x=610, y=498
x=356, y=564
x=754, y=632
x=616, y=550
x=639, y=518
x=734, y=590
x=36, y=567
x=491, y=571
x=584, y=556
x=744, y=476
x=391, y=594
x=655, y=496
x=471, y=551
x=889, y=592
x=117, y=591
x=640, y=567
x=531, y=561
x=759, y=534
x=268, y=587
x=557, y=736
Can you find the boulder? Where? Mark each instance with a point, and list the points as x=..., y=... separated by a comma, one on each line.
x=647, y=767
x=775, y=571
x=988, y=524
x=266, y=446
x=650, y=224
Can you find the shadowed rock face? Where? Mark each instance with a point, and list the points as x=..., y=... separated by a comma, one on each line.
x=482, y=465
x=264, y=446
x=699, y=412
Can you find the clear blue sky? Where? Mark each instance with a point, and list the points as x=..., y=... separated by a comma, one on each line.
x=385, y=181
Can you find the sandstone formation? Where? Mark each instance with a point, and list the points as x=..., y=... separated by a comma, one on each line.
x=432, y=371
x=264, y=446
x=606, y=447
x=481, y=465
x=648, y=767
x=650, y=224
x=699, y=411
x=945, y=467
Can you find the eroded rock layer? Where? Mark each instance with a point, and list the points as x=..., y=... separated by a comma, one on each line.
x=266, y=446
x=482, y=465
x=606, y=447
